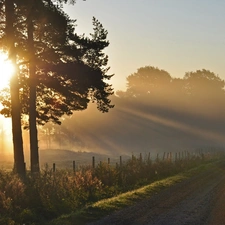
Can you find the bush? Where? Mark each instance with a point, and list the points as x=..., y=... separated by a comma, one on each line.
x=42, y=197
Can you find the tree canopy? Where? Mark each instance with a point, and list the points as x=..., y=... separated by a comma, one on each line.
x=71, y=70
x=147, y=81
x=153, y=83
x=203, y=83
x=58, y=71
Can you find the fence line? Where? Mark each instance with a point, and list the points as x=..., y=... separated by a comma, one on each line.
x=167, y=156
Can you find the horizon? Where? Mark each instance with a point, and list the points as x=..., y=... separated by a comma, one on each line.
x=176, y=36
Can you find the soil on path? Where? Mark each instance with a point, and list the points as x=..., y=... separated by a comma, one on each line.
x=199, y=200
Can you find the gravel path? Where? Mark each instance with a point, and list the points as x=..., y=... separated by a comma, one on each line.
x=199, y=200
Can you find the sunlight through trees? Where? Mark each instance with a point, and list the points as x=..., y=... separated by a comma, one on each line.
x=57, y=72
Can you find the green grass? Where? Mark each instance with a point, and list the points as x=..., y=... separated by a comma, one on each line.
x=104, y=207
x=64, y=197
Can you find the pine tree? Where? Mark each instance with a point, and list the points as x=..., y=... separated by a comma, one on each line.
x=9, y=45
x=59, y=70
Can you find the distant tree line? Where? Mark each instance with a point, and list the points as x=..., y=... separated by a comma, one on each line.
x=198, y=91
x=154, y=104
x=151, y=82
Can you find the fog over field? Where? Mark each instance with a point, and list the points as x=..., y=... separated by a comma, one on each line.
x=161, y=115
x=151, y=128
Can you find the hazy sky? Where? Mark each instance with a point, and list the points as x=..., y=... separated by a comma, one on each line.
x=175, y=35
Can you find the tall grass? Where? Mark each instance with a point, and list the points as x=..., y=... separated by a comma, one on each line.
x=47, y=195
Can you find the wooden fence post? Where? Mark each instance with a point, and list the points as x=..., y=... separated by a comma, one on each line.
x=108, y=160
x=93, y=162
x=120, y=161
x=53, y=167
x=74, y=166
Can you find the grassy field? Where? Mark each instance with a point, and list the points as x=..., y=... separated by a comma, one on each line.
x=104, y=207
x=67, y=197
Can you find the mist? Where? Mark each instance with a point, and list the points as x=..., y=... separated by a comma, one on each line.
x=143, y=126
x=158, y=115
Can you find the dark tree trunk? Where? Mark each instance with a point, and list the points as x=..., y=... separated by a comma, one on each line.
x=19, y=165
x=34, y=156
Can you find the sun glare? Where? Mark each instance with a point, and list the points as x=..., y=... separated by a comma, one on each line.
x=6, y=70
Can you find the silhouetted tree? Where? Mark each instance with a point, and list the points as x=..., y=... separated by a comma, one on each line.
x=148, y=81
x=204, y=84
x=64, y=71
x=8, y=44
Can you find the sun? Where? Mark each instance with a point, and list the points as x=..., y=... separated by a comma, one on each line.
x=6, y=70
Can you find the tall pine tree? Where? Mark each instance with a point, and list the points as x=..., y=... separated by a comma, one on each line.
x=8, y=43
x=59, y=70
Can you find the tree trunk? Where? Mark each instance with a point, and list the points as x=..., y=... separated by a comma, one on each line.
x=19, y=164
x=34, y=156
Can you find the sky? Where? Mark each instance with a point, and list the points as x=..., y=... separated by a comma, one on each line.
x=175, y=35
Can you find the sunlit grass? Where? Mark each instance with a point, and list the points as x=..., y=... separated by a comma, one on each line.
x=90, y=193
x=104, y=207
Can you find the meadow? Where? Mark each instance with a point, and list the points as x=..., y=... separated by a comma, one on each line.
x=54, y=193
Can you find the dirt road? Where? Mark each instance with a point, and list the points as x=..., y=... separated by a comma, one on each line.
x=199, y=200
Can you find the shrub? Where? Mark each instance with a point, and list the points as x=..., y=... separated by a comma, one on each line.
x=42, y=197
